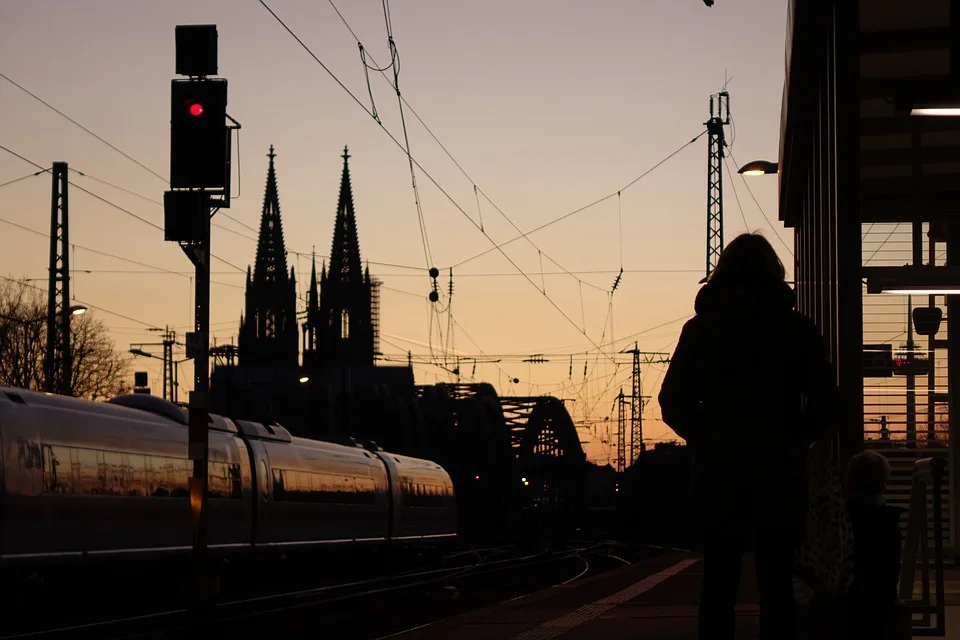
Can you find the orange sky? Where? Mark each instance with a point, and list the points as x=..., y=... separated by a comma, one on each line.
x=547, y=105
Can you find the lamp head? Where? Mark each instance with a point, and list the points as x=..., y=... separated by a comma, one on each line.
x=759, y=168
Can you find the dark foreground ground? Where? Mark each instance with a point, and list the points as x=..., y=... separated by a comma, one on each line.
x=360, y=594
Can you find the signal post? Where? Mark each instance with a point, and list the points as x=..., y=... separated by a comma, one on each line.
x=200, y=186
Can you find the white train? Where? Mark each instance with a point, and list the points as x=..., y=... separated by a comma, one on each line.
x=81, y=478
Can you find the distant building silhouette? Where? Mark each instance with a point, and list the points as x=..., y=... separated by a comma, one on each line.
x=340, y=328
x=339, y=391
x=268, y=329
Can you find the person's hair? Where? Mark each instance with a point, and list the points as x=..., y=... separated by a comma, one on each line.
x=867, y=473
x=748, y=259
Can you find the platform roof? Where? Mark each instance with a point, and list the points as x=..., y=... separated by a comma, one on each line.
x=909, y=55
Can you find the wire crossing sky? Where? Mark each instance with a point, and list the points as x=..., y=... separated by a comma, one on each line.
x=516, y=114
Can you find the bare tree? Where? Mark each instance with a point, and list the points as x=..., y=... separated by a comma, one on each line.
x=99, y=371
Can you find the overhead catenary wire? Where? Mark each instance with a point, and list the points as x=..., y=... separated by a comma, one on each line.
x=113, y=204
x=580, y=209
x=746, y=225
x=21, y=178
x=86, y=304
x=446, y=194
x=762, y=212
x=63, y=115
x=107, y=254
x=459, y=166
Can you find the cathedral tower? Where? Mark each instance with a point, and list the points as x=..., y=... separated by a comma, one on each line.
x=268, y=330
x=340, y=330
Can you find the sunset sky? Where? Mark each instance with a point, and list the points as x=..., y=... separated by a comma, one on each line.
x=548, y=105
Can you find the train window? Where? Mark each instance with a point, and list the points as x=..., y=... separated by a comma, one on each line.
x=178, y=475
x=57, y=470
x=158, y=483
x=134, y=474
x=279, y=488
x=112, y=473
x=262, y=479
x=88, y=472
x=224, y=480
x=236, y=483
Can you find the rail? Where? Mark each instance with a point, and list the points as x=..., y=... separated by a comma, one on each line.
x=928, y=474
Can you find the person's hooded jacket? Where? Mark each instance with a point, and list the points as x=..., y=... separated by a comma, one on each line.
x=749, y=388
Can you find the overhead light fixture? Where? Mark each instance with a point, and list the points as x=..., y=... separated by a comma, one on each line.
x=944, y=110
x=759, y=168
x=913, y=280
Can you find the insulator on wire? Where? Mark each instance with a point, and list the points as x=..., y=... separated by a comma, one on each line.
x=434, y=293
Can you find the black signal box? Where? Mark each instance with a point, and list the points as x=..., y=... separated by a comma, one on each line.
x=199, y=138
x=184, y=214
x=196, y=49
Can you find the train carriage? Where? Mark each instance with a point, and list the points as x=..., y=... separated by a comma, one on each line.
x=81, y=478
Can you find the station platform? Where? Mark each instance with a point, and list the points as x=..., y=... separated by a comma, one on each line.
x=655, y=598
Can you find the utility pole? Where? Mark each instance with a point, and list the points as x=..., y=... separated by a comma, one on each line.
x=169, y=390
x=629, y=449
x=200, y=179
x=621, y=432
x=716, y=143
x=58, y=365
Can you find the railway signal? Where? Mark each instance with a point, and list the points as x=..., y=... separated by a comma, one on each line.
x=199, y=136
x=200, y=179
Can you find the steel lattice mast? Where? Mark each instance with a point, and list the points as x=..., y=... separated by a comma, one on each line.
x=621, y=432
x=58, y=365
x=719, y=117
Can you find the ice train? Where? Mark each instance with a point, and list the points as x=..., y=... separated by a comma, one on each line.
x=81, y=479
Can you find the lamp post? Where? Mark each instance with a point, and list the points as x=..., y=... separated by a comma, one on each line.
x=171, y=370
x=26, y=323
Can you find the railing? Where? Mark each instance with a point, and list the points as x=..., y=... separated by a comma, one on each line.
x=928, y=474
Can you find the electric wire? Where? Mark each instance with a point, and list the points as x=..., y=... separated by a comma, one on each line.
x=16, y=180
x=746, y=226
x=764, y=213
x=476, y=188
x=62, y=114
x=86, y=304
x=419, y=166
x=581, y=209
x=114, y=205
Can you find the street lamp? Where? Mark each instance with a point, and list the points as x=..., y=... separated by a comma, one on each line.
x=304, y=379
x=75, y=310
x=759, y=168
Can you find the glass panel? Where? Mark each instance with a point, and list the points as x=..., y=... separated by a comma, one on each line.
x=89, y=472
x=134, y=474
x=236, y=484
x=113, y=473
x=279, y=487
x=178, y=474
x=57, y=470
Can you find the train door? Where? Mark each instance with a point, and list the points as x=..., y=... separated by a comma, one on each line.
x=260, y=467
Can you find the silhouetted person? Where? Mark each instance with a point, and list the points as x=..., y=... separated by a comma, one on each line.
x=876, y=545
x=749, y=388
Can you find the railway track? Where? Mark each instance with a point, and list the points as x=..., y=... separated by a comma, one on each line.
x=451, y=583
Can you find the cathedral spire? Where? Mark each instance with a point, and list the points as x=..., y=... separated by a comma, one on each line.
x=271, y=263
x=313, y=299
x=269, y=332
x=345, y=252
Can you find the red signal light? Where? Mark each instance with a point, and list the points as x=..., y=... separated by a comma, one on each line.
x=196, y=109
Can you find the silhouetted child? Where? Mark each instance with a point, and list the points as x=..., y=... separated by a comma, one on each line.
x=877, y=543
